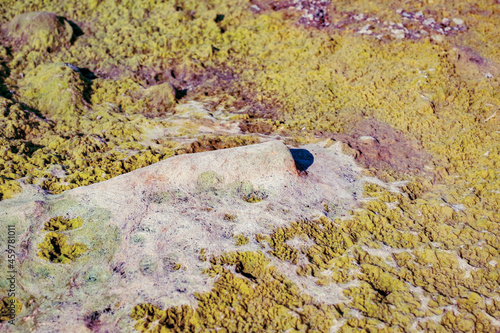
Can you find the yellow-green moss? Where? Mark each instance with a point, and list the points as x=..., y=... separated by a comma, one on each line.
x=254, y=196
x=10, y=307
x=55, y=90
x=159, y=98
x=8, y=188
x=54, y=248
x=203, y=255
x=255, y=298
x=37, y=148
x=246, y=191
x=60, y=223
x=241, y=240
x=395, y=220
x=328, y=243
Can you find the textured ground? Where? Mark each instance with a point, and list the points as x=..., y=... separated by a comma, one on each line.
x=93, y=89
x=146, y=236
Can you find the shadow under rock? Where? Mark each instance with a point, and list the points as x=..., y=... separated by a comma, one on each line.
x=87, y=73
x=77, y=31
x=303, y=158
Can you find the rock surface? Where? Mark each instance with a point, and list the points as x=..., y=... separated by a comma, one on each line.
x=145, y=230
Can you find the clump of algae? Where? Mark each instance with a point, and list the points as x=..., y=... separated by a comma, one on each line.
x=88, y=148
x=254, y=196
x=55, y=247
x=60, y=223
x=159, y=98
x=7, y=304
x=8, y=188
x=256, y=297
x=241, y=240
x=210, y=181
x=329, y=243
x=247, y=192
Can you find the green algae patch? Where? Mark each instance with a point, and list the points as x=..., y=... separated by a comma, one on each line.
x=54, y=248
x=210, y=181
x=400, y=247
x=40, y=31
x=247, y=191
x=10, y=307
x=55, y=89
x=60, y=223
x=254, y=196
x=68, y=151
x=230, y=217
x=122, y=95
x=256, y=298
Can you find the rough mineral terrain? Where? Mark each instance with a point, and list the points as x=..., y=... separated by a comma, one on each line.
x=250, y=166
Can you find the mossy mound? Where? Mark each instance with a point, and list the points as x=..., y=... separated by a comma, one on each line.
x=55, y=89
x=39, y=31
x=159, y=98
x=210, y=181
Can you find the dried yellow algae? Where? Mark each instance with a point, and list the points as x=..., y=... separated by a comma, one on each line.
x=241, y=240
x=255, y=298
x=8, y=188
x=329, y=245
x=54, y=248
x=425, y=247
x=97, y=144
x=159, y=98
x=10, y=307
x=60, y=223
x=85, y=146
